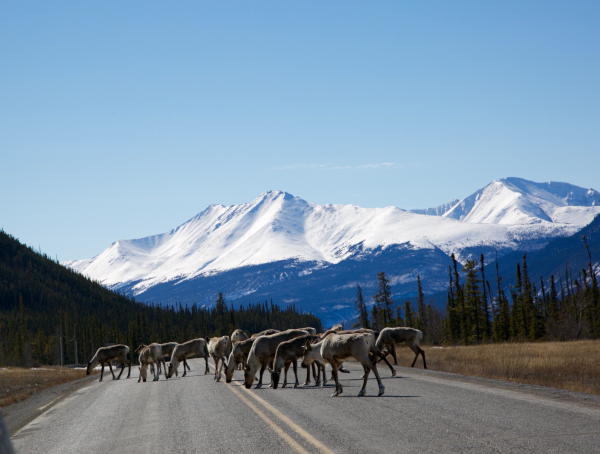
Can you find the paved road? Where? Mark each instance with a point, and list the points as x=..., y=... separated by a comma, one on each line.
x=421, y=411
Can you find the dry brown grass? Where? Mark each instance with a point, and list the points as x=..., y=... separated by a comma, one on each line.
x=17, y=384
x=571, y=365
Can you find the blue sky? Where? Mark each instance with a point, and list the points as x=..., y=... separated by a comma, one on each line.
x=125, y=120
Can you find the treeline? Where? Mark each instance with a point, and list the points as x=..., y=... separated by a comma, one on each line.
x=560, y=307
x=43, y=304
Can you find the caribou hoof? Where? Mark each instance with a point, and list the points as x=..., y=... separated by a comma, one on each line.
x=344, y=371
x=361, y=393
x=381, y=390
x=393, y=372
x=258, y=387
x=296, y=385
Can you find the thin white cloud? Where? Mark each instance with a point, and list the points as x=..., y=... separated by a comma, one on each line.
x=380, y=165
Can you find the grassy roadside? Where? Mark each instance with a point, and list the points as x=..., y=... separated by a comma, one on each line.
x=574, y=365
x=17, y=383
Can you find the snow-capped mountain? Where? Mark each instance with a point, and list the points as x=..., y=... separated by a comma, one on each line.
x=251, y=248
x=515, y=201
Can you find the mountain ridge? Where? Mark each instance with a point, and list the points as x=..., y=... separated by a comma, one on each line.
x=278, y=230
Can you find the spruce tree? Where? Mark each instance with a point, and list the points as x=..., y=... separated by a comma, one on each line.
x=473, y=322
x=487, y=334
x=502, y=331
x=383, y=299
x=409, y=314
x=361, y=309
x=421, y=315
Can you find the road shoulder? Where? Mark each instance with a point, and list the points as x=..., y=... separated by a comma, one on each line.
x=541, y=392
x=17, y=416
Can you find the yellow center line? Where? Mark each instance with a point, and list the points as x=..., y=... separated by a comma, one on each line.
x=295, y=427
x=297, y=447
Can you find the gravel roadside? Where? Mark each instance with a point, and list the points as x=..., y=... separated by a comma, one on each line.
x=20, y=414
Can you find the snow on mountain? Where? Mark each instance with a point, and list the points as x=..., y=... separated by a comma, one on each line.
x=516, y=201
x=276, y=226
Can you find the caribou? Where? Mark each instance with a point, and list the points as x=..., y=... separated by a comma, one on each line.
x=105, y=355
x=151, y=354
x=262, y=353
x=336, y=348
x=187, y=349
x=266, y=332
x=167, y=350
x=389, y=337
x=287, y=354
x=238, y=335
x=309, y=330
x=312, y=356
x=219, y=348
x=239, y=355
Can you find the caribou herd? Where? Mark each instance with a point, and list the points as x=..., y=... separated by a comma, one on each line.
x=272, y=349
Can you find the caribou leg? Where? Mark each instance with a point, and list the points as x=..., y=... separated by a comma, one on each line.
x=287, y=367
x=381, y=387
x=262, y=371
x=382, y=356
x=111, y=371
x=307, y=382
x=338, y=386
x=184, y=371
x=343, y=370
x=393, y=351
x=122, y=369
x=295, y=364
x=366, y=377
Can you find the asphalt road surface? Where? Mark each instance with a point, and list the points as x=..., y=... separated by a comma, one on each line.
x=421, y=411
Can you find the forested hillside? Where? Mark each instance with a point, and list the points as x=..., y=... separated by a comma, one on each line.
x=42, y=302
x=551, y=294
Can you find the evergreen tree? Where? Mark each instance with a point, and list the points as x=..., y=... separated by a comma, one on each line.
x=383, y=299
x=421, y=315
x=452, y=324
x=502, y=324
x=409, y=314
x=361, y=309
x=487, y=334
x=473, y=322
x=461, y=312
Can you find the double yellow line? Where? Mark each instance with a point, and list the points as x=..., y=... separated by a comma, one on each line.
x=244, y=394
